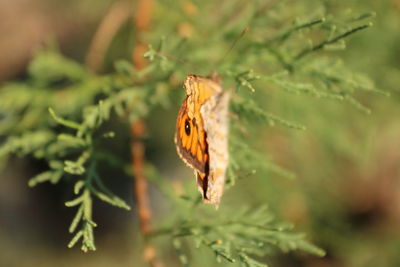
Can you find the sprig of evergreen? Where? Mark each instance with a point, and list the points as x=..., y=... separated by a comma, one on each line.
x=296, y=58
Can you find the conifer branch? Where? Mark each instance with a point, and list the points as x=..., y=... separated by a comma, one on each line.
x=284, y=36
x=330, y=41
x=68, y=139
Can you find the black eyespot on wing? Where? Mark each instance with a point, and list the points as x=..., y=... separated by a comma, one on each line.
x=187, y=127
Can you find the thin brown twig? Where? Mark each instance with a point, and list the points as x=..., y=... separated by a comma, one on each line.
x=118, y=14
x=141, y=21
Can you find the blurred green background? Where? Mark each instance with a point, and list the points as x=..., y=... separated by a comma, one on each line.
x=346, y=196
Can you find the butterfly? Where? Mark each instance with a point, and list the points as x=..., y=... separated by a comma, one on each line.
x=201, y=134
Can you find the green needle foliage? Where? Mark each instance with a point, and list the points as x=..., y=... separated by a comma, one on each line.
x=59, y=113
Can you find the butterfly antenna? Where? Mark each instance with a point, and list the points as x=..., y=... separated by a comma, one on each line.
x=245, y=30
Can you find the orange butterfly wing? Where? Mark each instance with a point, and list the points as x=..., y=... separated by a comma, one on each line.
x=201, y=134
x=191, y=141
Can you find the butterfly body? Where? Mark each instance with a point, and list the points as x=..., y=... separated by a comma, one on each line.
x=201, y=134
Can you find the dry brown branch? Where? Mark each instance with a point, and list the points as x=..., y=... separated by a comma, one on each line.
x=141, y=21
x=117, y=15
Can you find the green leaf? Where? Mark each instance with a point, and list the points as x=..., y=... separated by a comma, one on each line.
x=76, y=220
x=73, y=167
x=66, y=123
x=113, y=200
x=71, y=140
x=75, y=239
x=74, y=202
x=47, y=176
x=78, y=186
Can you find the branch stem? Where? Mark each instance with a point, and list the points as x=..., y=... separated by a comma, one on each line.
x=331, y=41
x=141, y=22
x=117, y=15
